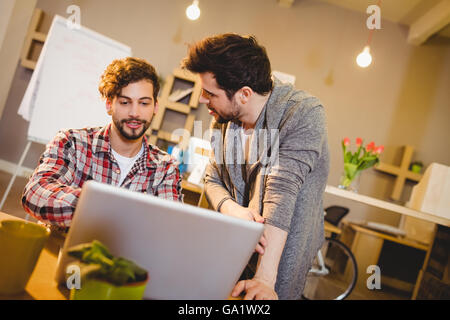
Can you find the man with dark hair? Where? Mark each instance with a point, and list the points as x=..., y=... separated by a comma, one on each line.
x=270, y=160
x=117, y=154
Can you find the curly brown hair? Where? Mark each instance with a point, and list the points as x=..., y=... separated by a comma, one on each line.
x=122, y=72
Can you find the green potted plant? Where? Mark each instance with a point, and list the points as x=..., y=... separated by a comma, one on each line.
x=416, y=166
x=105, y=277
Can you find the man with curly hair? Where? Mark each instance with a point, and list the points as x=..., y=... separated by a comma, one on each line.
x=117, y=154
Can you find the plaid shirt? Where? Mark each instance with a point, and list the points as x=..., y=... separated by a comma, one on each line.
x=76, y=156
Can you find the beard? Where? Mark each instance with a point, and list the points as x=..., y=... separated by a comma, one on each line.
x=222, y=120
x=135, y=133
x=233, y=115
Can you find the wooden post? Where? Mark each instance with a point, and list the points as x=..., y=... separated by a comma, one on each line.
x=32, y=35
x=402, y=172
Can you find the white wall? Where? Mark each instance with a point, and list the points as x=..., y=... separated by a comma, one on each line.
x=13, y=26
x=6, y=8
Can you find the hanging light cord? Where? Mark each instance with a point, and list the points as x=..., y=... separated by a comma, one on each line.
x=369, y=40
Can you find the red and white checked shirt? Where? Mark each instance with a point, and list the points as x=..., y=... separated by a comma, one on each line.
x=78, y=155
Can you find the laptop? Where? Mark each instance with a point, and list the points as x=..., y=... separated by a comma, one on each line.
x=189, y=252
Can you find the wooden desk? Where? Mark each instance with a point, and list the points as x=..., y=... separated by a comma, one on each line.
x=331, y=228
x=387, y=205
x=193, y=194
x=366, y=244
x=42, y=285
x=191, y=187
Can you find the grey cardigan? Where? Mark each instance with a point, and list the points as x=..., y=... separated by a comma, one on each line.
x=285, y=181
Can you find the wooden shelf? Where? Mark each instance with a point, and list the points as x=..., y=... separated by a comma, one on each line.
x=33, y=35
x=402, y=172
x=393, y=170
x=156, y=132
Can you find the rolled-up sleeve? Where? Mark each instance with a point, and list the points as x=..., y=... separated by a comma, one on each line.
x=48, y=195
x=215, y=188
x=299, y=149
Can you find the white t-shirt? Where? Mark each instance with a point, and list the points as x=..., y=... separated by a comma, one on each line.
x=125, y=164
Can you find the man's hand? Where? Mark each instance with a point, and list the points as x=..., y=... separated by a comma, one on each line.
x=255, y=290
x=233, y=209
x=262, y=244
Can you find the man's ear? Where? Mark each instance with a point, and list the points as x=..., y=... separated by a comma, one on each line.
x=108, y=106
x=244, y=94
x=155, y=110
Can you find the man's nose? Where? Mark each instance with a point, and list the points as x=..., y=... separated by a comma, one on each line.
x=133, y=111
x=203, y=100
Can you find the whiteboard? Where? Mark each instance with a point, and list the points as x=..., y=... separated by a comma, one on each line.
x=63, y=90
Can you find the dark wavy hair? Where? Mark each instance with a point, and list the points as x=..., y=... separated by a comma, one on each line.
x=122, y=72
x=236, y=61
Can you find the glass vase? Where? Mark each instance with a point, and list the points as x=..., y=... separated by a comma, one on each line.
x=350, y=183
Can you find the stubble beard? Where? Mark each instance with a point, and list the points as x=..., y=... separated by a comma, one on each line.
x=234, y=115
x=120, y=125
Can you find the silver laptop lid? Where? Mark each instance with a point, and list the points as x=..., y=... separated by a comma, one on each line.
x=189, y=252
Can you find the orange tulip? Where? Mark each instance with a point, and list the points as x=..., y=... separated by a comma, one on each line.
x=358, y=142
x=370, y=147
x=379, y=149
x=346, y=142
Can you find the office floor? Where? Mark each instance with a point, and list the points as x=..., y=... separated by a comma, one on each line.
x=384, y=293
x=13, y=207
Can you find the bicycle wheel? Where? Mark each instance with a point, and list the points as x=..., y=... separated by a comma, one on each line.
x=333, y=273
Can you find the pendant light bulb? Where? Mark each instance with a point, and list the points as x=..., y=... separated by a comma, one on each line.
x=193, y=11
x=364, y=59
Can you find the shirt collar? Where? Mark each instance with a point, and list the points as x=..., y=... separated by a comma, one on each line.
x=152, y=160
x=100, y=142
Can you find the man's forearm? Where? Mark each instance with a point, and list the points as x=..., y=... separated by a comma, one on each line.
x=50, y=201
x=215, y=190
x=227, y=206
x=267, y=268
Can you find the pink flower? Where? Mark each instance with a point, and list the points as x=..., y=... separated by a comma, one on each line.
x=379, y=149
x=346, y=142
x=358, y=142
x=370, y=147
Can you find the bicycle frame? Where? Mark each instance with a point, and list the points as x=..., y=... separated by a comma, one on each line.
x=323, y=270
x=320, y=269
